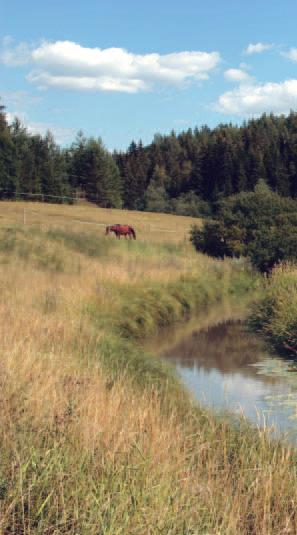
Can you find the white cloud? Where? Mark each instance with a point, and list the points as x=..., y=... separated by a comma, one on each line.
x=236, y=75
x=14, y=56
x=257, y=48
x=61, y=134
x=291, y=54
x=65, y=64
x=254, y=99
x=85, y=83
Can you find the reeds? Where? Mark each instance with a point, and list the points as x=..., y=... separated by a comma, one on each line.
x=275, y=312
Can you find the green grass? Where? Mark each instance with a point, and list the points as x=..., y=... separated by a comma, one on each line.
x=89, y=244
x=28, y=245
x=146, y=311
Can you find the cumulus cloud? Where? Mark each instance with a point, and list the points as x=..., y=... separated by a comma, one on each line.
x=254, y=99
x=257, y=48
x=236, y=75
x=68, y=65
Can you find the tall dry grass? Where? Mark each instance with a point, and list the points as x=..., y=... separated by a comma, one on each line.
x=88, y=451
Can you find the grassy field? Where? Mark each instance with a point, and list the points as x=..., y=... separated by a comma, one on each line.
x=97, y=436
x=150, y=227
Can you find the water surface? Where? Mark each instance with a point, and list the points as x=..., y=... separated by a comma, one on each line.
x=226, y=367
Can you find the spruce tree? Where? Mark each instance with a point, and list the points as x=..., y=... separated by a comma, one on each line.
x=8, y=178
x=102, y=178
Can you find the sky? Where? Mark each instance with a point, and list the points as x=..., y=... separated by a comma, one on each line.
x=126, y=70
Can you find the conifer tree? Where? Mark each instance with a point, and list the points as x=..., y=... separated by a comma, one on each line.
x=102, y=178
x=8, y=178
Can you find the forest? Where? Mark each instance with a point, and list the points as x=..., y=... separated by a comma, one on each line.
x=185, y=173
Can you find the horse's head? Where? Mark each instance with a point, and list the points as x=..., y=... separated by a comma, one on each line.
x=107, y=230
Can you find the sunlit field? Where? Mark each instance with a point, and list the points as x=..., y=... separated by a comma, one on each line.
x=149, y=226
x=98, y=437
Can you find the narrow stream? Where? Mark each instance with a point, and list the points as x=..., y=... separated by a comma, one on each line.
x=226, y=367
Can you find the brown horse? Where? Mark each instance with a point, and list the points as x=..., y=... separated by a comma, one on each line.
x=121, y=230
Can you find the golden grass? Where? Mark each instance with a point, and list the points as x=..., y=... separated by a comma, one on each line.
x=85, y=453
x=85, y=456
x=150, y=227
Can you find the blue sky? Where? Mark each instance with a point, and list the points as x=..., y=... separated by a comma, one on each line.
x=125, y=70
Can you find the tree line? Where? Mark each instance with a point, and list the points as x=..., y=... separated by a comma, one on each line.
x=186, y=173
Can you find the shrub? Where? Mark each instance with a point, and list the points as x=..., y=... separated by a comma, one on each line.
x=259, y=224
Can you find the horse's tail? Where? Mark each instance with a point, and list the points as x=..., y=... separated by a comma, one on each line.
x=133, y=232
x=107, y=230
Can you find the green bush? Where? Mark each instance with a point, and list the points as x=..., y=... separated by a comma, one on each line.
x=260, y=225
x=189, y=204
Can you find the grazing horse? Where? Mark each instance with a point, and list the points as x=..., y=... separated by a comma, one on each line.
x=121, y=230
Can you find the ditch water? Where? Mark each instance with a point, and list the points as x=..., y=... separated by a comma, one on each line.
x=225, y=367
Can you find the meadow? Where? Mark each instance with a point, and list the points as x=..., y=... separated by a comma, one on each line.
x=153, y=227
x=97, y=435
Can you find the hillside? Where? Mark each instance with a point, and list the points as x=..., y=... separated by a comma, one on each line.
x=150, y=227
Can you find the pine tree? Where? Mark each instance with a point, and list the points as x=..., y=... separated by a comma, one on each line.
x=156, y=198
x=135, y=173
x=8, y=178
x=102, y=179
x=55, y=185
x=77, y=162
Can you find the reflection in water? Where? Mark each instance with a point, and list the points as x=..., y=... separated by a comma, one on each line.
x=225, y=367
x=224, y=346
